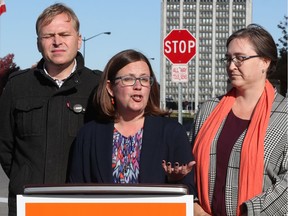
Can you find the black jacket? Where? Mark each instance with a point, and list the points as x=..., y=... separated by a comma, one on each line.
x=38, y=123
x=163, y=139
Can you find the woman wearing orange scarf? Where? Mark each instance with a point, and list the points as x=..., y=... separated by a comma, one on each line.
x=240, y=139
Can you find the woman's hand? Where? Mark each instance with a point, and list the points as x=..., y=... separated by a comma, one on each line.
x=178, y=171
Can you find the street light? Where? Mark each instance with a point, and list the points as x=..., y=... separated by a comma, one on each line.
x=86, y=39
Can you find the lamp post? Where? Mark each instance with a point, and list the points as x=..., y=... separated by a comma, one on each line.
x=86, y=39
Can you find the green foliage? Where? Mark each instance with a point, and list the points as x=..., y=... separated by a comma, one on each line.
x=282, y=46
x=282, y=62
x=280, y=75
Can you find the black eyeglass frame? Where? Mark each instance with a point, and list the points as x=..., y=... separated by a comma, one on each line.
x=151, y=80
x=227, y=60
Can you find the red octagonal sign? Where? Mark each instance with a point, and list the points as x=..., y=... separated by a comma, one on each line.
x=180, y=46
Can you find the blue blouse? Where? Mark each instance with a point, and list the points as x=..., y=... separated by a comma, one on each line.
x=126, y=157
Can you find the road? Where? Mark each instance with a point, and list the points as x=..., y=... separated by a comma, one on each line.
x=3, y=193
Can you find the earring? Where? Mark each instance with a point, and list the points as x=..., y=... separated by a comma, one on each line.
x=112, y=101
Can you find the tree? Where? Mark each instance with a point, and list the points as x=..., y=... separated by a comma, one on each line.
x=283, y=40
x=281, y=70
x=7, y=66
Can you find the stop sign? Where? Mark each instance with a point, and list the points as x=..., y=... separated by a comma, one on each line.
x=179, y=46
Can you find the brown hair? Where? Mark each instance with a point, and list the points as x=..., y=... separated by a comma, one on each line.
x=46, y=17
x=102, y=100
x=262, y=42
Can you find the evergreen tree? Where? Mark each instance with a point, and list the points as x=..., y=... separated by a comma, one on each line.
x=282, y=45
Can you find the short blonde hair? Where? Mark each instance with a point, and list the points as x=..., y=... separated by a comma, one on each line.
x=46, y=17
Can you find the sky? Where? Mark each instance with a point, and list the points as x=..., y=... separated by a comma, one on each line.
x=134, y=24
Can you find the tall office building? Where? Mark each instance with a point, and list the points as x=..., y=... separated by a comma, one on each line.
x=210, y=22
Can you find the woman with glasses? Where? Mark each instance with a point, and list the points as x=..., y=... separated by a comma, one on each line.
x=240, y=139
x=131, y=136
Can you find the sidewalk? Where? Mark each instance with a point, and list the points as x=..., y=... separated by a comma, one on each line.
x=3, y=193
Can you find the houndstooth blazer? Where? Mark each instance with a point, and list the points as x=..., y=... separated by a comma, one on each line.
x=274, y=197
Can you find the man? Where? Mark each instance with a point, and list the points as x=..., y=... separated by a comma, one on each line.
x=42, y=108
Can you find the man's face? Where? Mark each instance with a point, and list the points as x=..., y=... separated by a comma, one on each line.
x=58, y=41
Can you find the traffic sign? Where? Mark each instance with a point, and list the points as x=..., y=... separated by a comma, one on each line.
x=179, y=73
x=179, y=46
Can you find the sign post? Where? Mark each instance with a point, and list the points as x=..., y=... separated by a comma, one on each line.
x=179, y=49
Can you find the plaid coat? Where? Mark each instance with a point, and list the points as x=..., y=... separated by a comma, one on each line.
x=274, y=197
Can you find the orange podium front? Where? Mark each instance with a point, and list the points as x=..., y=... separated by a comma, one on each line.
x=105, y=200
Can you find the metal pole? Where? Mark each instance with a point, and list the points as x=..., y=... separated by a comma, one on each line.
x=180, y=118
x=84, y=41
x=163, y=67
x=196, y=99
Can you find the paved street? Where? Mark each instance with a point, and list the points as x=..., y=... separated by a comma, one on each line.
x=3, y=193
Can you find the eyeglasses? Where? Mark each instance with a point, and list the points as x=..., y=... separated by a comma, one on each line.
x=237, y=60
x=131, y=80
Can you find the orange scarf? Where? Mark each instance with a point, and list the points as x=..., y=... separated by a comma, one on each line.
x=252, y=153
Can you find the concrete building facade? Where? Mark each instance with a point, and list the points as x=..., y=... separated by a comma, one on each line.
x=211, y=22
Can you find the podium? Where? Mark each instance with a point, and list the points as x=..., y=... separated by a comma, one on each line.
x=105, y=200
